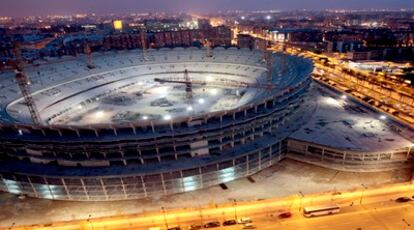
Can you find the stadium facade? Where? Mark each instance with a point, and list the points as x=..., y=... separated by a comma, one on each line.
x=145, y=157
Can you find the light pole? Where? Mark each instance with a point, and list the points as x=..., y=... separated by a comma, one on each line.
x=201, y=217
x=300, y=200
x=89, y=221
x=165, y=217
x=362, y=193
x=235, y=208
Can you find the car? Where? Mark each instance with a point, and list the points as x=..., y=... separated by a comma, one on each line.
x=285, y=214
x=244, y=220
x=174, y=228
x=249, y=226
x=212, y=224
x=229, y=222
x=195, y=227
x=403, y=199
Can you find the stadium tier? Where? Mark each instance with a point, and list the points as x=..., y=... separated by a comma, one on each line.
x=135, y=127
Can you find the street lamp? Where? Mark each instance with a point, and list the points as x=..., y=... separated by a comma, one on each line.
x=165, y=217
x=362, y=193
x=235, y=208
x=300, y=200
x=89, y=221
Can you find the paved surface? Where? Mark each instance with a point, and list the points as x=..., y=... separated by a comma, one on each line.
x=284, y=179
x=344, y=124
x=368, y=208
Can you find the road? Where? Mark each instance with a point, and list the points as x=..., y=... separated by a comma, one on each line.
x=365, y=208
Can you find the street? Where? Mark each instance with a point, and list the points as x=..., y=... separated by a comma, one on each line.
x=364, y=208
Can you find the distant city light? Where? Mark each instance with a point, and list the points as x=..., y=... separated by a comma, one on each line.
x=145, y=117
x=118, y=24
x=268, y=17
x=243, y=17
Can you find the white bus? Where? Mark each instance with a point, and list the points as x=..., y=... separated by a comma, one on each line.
x=321, y=210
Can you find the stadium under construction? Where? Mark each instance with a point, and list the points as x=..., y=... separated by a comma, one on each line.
x=135, y=124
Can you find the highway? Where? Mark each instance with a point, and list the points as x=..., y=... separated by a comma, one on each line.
x=365, y=208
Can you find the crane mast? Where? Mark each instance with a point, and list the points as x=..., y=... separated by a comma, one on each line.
x=23, y=83
x=143, y=35
x=88, y=53
x=209, y=52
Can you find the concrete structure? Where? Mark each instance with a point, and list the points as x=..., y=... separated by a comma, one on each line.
x=146, y=155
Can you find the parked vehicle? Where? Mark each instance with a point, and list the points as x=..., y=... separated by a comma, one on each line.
x=403, y=199
x=249, y=226
x=212, y=224
x=229, y=222
x=244, y=220
x=285, y=214
x=195, y=227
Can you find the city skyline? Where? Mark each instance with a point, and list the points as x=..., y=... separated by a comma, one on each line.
x=20, y=8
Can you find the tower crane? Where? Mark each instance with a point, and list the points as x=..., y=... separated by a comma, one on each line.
x=143, y=35
x=207, y=44
x=24, y=85
x=88, y=53
x=188, y=82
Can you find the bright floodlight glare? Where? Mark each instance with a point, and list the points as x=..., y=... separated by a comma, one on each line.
x=162, y=90
x=201, y=101
x=343, y=96
x=382, y=117
x=99, y=114
x=332, y=101
x=213, y=91
x=190, y=108
x=145, y=117
x=167, y=117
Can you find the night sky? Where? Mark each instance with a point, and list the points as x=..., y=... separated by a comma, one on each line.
x=43, y=7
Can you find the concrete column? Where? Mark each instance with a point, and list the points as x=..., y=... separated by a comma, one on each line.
x=143, y=186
